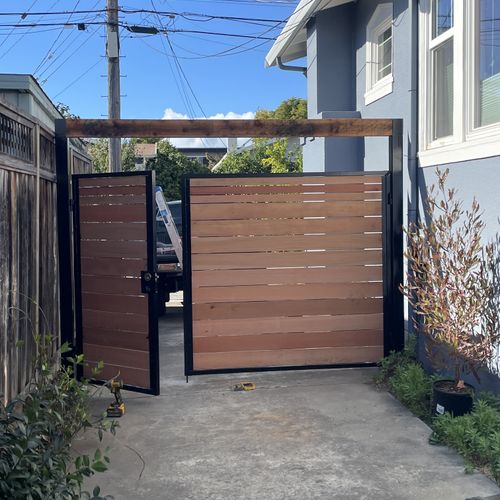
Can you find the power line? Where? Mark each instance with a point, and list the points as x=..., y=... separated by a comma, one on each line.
x=70, y=55
x=148, y=11
x=23, y=16
x=178, y=83
x=78, y=78
x=54, y=42
x=132, y=27
x=25, y=33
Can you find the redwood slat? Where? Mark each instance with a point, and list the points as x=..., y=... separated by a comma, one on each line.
x=277, y=227
x=288, y=340
x=287, y=357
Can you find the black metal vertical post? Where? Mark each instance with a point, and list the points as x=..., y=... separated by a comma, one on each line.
x=387, y=260
x=154, y=362
x=396, y=170
x=77, y=274
x=64, y=235
x=186, y=272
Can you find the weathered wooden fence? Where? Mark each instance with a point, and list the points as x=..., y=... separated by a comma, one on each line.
x=29, y=296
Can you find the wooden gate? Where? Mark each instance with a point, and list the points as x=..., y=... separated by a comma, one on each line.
x=285, y=271
x=115, y=252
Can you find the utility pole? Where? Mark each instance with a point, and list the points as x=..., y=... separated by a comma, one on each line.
x=113, y=55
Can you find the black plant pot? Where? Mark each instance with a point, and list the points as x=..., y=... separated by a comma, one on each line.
x=448, y=399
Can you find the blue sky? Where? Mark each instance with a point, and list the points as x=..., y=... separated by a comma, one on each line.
x=71, y=70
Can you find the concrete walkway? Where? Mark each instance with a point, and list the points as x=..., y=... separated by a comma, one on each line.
x=326, y=434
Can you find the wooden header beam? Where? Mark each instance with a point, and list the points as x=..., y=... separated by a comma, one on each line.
x=339, y=127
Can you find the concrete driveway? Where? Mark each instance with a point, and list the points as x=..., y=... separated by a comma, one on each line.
x=326, y=434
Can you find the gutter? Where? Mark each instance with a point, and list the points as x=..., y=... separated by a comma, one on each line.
x=285, y=67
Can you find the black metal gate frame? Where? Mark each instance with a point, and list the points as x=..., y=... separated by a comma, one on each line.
x=393, y=184
x=154, y=369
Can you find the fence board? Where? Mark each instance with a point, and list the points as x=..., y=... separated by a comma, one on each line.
x=224, y=211
x=28, y=246
x=284, y=259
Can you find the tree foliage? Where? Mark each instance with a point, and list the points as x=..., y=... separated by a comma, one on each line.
x=262, y=158
x=99, y=151
x=170, y=165
x=293, y=108
x=265, y=156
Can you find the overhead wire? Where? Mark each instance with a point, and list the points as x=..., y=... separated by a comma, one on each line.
x=184, y=76
x=22, y=35
x=78, y=78
x=70, y=55
x=19, y=23
x=53, y=49
x=178, y=82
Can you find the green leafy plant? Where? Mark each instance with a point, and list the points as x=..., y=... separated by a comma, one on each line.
x=389, y=364
x=453, y=285
x=475, y=436
x=413, y=387
x=37, y=428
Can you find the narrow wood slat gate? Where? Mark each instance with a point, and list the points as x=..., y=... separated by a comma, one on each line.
x=284, y=271
x=114, y=245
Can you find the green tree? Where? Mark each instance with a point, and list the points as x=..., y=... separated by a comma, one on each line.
x=65, y=110
x=99, y=151
x=170, y=165
x=269, y=156
x=293, y=108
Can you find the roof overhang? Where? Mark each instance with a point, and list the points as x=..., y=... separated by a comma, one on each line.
x=292, y=41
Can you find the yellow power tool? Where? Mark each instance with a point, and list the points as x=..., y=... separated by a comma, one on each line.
x=117, y=407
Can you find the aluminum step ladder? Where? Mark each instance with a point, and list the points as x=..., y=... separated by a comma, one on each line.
x=168, y=220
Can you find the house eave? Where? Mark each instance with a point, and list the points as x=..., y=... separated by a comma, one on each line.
x=291, y=43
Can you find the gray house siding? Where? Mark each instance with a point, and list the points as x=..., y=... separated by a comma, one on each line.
x=330, y=89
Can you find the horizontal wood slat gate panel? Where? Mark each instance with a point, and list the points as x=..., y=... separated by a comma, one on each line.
x=114, y=243
x=284, y=271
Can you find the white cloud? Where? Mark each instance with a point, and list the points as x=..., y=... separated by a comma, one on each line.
x=170, y=114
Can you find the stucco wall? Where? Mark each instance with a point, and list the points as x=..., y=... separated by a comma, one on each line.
x=331, y=92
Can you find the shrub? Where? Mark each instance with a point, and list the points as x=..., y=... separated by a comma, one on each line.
x=475, y=436
x=36, y=430
x=453, y=284
x=395, y=359
x=413, y=387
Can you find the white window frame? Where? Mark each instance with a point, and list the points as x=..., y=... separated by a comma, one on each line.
x=380, y=21
x=468, y=142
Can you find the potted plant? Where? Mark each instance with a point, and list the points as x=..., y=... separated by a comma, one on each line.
x=454, y=293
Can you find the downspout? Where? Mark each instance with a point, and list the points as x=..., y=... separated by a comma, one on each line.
x=284, y=67
x=413, y=171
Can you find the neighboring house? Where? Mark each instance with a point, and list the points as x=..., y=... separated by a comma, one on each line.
x=204, y=156
x=24, y=94
x=433, y=63
x=143, y=153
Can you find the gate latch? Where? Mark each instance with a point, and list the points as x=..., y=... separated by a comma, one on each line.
x=148, y=282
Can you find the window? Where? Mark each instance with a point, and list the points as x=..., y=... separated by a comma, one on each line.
x=379, y=55
x=488, y=64
x=459, y=80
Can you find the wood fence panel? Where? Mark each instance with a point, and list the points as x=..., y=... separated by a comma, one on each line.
x=28, y=244
x=286, y=271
